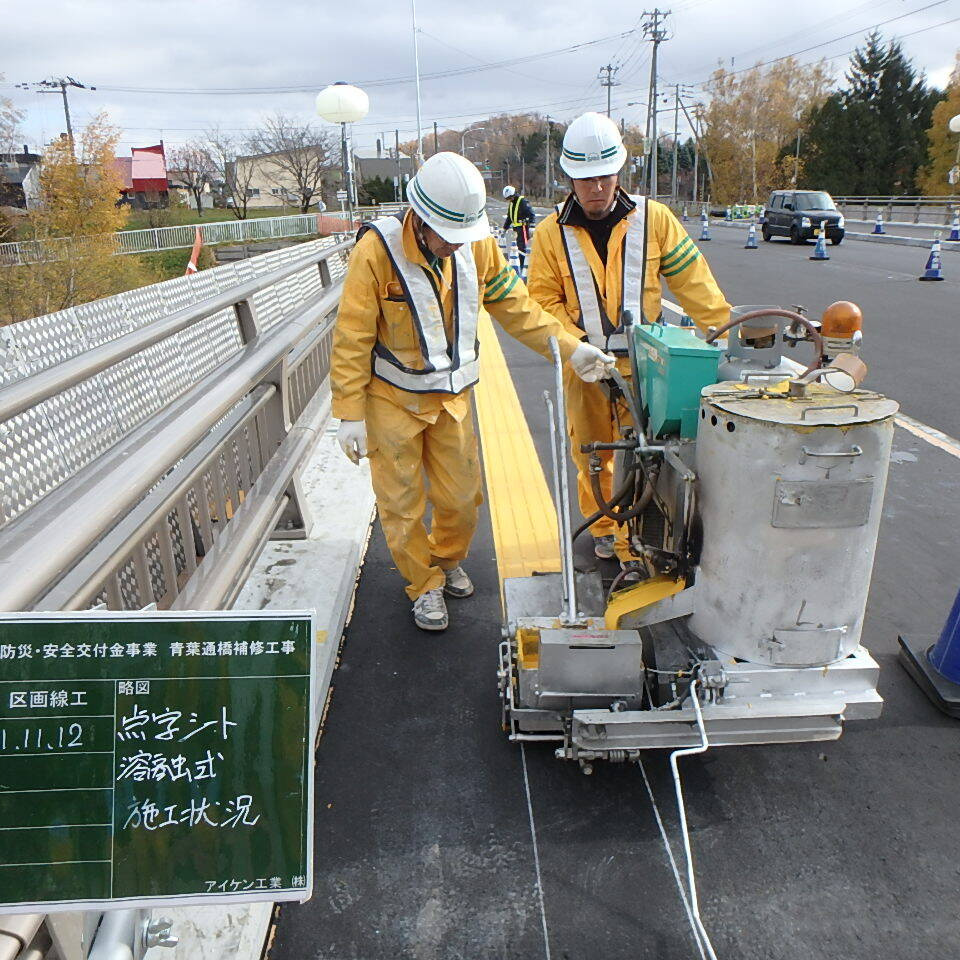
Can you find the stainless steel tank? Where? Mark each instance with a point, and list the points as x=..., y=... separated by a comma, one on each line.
x=791, y=491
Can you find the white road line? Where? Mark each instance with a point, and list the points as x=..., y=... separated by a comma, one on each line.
x=931, y=435
x=673, y=863
x=536, y=852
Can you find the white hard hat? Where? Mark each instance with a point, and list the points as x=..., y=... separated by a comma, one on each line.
x=592, y=147
x=508, y=192
x=448, y=193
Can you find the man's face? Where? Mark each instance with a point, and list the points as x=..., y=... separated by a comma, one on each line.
x=434, y=242
x=596, y=195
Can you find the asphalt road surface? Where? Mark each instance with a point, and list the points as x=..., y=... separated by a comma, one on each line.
x=428, y=849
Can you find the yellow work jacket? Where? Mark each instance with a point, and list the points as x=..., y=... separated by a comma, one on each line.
x=373, y=308
x=670, y=254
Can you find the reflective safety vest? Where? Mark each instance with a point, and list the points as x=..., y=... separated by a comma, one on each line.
x=447, y=367
x=602, y=331
x=513, y=210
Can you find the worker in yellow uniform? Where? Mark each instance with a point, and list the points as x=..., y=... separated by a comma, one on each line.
x=604, y=252
x=520, y=219
x=405, y=360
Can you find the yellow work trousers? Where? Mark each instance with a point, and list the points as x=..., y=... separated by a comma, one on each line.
x=405, y=454
x=592, y=417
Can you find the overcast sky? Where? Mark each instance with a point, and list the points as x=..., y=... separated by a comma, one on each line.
x=215, y=46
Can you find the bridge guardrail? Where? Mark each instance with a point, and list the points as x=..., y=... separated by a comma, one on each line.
x=152, y=435
x=151, y=240
x=935, y=211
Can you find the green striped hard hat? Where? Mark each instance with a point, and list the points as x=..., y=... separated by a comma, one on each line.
x=592, y=147
x=449, y=194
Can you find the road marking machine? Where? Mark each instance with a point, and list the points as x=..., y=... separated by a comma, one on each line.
x=752, y=489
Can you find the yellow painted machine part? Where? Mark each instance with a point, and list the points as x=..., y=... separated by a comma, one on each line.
x=522, y=512
x=528, y=648
x=637, y=597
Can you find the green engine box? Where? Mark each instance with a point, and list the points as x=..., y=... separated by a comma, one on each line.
x=673, y=366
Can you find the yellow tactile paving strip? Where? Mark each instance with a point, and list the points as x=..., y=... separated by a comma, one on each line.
x=522, y=512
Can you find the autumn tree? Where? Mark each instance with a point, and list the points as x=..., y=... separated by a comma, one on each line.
x=74, y=229
x=943, y=144
x=869, y=137
x=511, y=146
x=751, y=118
x=192, y=168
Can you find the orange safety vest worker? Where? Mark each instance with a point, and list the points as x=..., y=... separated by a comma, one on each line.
x=586, y=273
x=404, y=360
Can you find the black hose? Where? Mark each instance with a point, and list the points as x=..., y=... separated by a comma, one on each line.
x=609, y=509
x=618, y=498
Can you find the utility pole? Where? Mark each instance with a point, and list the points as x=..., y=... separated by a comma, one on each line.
x=608, y=81
x=676, y=140
x=674, y=186
x=656, y=34
x=436, y=138
x=548, y=173
x=59, y=84
x=696, y=148
x=416, y=67
x=396, y=140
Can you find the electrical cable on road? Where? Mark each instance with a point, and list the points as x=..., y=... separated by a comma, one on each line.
x=682, y=811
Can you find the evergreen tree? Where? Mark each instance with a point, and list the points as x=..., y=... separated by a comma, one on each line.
x=869, y=138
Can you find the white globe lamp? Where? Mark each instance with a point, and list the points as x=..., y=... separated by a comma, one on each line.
x=344, y=103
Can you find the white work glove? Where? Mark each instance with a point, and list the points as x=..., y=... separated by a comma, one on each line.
x=590, y=363
x=352, y=437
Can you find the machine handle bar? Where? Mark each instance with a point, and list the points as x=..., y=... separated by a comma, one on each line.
x=854, y=451
x=835, y=406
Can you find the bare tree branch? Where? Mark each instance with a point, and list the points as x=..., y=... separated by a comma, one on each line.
x=226, y=153
x=192, y=167
x=299, y=154
x=10, y=117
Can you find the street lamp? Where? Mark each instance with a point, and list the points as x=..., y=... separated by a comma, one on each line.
x=954, y=126
x=342, y=103
x=463, y=137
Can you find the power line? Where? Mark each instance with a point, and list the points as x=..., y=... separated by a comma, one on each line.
x=845, y=36
x=519, y=73
x=376, y=82
x=54, y=85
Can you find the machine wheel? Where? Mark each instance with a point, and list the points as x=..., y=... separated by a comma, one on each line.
x=795, y=237
x=836, y=241
x=765, y=233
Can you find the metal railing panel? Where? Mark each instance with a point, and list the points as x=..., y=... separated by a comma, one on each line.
x=126, y=342
x=154, y=239
x=77, y=507
x=218, y=583
x=32, y=462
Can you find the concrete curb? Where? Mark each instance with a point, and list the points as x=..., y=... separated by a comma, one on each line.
x=319, y=572
x=945, y=245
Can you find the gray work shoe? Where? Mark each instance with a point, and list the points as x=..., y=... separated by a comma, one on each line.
x=458, y=583
x=603, y=547
x=430, y=610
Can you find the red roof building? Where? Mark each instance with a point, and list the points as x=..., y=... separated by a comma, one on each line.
x=144, y=175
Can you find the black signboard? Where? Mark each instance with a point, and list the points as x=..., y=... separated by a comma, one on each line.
x=155, y=757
